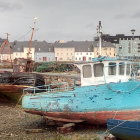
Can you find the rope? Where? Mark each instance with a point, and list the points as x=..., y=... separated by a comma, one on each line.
x=19, y=100
x=114, y=127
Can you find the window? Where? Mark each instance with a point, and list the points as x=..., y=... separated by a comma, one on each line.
x=127, y=69
x=98, y=70
x=89, y=58
x=112, y=68
x=44, y=58
x=18, y=49
x=87, y=71
x=121, y=68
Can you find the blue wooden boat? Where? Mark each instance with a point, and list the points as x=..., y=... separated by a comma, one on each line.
x=124, y=129
x=108, y=90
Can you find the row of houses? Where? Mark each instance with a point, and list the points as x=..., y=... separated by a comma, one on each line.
x=42, y=51
x=119, y=45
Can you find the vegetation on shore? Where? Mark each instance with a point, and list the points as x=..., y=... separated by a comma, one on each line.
x=54, y=67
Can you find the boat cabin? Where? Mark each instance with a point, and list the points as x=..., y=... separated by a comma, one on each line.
x=101, y=72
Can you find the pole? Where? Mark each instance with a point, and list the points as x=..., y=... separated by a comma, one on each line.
x=133, y=53
x=99, y=27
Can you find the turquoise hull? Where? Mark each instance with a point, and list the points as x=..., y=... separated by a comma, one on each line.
x=106, y=97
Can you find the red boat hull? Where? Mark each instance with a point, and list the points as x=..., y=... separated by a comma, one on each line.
x=99, y=117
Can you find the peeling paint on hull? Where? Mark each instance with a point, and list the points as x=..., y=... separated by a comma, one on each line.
x=92, y=104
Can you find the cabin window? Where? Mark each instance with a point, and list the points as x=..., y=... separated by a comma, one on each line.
x=98, y=70
x=87, y=71
x=112, y=69
x=128, y=69
x=121, y=68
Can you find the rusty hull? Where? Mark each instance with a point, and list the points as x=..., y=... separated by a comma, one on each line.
x=99, y=117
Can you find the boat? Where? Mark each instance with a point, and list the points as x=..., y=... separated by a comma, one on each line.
x=109, y=89
x=124, y=129
x=12, y=84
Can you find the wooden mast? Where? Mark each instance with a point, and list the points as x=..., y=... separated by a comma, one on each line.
x=29, y=53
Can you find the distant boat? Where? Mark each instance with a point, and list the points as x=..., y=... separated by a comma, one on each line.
x=124, y=129
x=109, y=90
x=12, y=84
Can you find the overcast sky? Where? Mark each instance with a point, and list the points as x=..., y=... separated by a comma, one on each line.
x=67, y=19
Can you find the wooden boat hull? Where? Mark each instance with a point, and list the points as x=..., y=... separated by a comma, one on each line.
x=11, y=92
x=126, y=130
x=12, y=84
x=99, y=117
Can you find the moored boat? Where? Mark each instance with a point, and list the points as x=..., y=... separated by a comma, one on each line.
x=108, y=90
x=12, y=84
x=124, y=129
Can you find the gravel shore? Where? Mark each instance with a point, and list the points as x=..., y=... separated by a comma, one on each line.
x=14, y=122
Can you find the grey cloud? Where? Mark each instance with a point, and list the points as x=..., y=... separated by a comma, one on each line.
x=90, y=26
x=9, y=6
x=136, y=15
x=121, y=16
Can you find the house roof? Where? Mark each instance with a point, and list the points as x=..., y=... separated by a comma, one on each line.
x=103, y=44
x=40, y=46
x=43, y=46
x=82, y=46
x=5, y=48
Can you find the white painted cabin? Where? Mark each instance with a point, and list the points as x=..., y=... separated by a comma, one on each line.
x=96, y=73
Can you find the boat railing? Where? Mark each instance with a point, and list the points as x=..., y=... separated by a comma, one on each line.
x=63, y=86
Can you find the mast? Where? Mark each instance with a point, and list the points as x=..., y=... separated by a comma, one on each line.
x=29, y=56
x=99, y=33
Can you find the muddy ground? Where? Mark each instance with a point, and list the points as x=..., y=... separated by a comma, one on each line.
x=14, y=123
